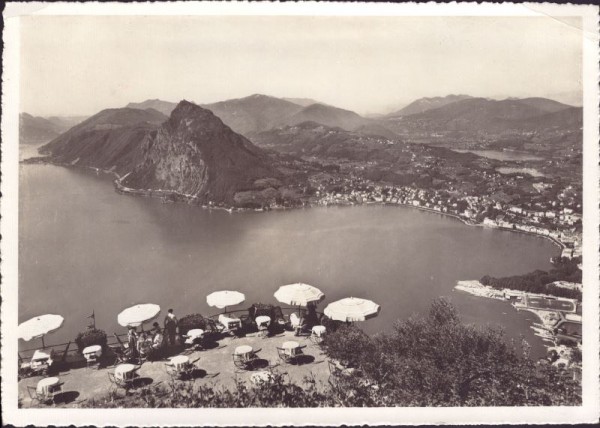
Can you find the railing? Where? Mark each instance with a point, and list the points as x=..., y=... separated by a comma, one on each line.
x=68, y=351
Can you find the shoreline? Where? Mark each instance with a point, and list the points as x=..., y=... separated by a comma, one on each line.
x=191, y=199
x=546, y=319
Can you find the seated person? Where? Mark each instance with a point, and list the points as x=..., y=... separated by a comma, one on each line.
x=157, y=336
x=298, y=323
x=158, y=341
x=144, y=345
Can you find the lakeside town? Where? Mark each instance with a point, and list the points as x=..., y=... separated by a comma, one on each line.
x=557, y=221
x=559, y=319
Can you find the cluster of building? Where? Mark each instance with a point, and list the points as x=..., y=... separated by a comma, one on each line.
x=558, y=222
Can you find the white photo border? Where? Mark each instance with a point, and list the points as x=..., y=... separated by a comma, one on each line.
x=588, y=412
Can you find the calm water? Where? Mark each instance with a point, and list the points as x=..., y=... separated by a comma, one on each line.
x=501, y=155
x=531, y=171
x=84, y=247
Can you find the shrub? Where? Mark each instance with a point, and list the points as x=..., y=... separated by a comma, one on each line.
x=192, y=321
x=279, y=392
x=349, y=345
x=92, y=336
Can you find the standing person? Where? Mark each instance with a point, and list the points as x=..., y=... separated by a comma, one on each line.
x=171, y=325
x=132, y=339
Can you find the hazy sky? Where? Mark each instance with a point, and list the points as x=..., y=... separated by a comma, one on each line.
x=80, y=65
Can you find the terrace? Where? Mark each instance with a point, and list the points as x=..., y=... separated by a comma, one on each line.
x=214, y=366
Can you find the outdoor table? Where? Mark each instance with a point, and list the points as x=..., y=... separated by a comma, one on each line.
x=92, y=351
x=47, y=385
x=125, y=371
x=230, y=323
x=244, y=351
x=319, y=330
x=41, y=360
x=180, y=361
x=260, y=377
x=193, y=335
x=291, y=347
x=262, y=322
x=263, y=319
x=40, y=356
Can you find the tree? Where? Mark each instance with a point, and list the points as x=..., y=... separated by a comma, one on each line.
x=438, y=361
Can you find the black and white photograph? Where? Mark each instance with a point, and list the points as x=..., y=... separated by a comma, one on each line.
x=299, y=208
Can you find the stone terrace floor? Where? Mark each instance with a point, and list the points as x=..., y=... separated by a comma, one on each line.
x=215, y=368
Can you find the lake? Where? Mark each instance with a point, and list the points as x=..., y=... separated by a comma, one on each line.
x=84, y=248
x=503, y=155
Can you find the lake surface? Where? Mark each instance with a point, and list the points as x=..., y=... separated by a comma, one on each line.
x=531, y=171
x=502, y=155
x=83, y=247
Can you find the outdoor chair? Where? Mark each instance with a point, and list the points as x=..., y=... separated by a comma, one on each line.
x=45, y=394
x=298, y=325
x=317, y=334
x=290, y=356
x=121, y=350
x=245, y=361
x=181, y=371
x=125, y=382
x=118, y=382
x=121, y=354
x=211, y=327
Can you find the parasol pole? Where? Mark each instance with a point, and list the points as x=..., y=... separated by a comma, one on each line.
x=43, y=344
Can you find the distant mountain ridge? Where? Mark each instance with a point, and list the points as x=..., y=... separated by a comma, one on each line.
x=327, y=115
x=481, y=114
x=254, y=113
x=165, y=107
x=108, y=140
x=304, y=102
x=33, y=129
x=423, y=104
x=258, y=113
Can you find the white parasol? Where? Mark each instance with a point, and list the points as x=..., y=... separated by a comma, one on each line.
x=299, y=294
x=352, y=309
x=136, y=315
x=39, y=326
x=222, y=299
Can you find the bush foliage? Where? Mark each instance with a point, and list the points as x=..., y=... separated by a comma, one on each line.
x=194, y=321
x=92, y=336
